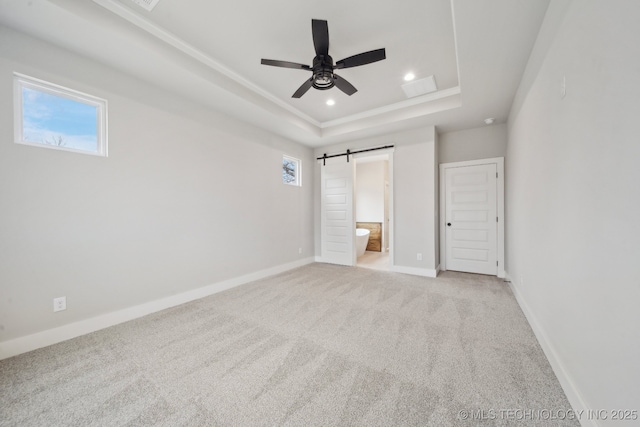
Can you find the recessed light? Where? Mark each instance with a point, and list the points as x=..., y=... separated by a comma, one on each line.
x=330, y=102
x=489, y=121
x=409, y=76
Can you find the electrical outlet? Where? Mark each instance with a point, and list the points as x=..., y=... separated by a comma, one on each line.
x=60, y=304
x=419, y=257
x=300, y=250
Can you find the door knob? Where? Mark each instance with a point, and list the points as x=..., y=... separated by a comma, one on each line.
x=448, y=224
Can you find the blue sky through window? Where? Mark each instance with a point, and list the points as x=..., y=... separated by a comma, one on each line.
x=55, y=120
x=289, y=171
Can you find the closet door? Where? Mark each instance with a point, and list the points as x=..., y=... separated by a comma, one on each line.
x=471, y=231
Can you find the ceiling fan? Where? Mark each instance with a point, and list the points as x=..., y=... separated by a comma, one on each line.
x=323, y=77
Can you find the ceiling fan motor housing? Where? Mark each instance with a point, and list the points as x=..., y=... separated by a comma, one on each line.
x=323, y=78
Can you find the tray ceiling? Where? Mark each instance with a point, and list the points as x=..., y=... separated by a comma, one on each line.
x=476, y=50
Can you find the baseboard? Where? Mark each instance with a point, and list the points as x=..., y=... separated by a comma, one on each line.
x=53, y=336
x=425, y=272
x=570, y=390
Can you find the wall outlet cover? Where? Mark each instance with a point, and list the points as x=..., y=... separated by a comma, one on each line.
x=59, y=304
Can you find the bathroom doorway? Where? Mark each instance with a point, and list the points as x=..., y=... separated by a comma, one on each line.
x=372, y=201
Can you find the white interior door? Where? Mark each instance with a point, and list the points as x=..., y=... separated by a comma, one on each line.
x=471, y=230
x=337, y=214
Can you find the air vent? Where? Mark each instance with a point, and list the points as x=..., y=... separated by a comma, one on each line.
x=420, y=87
x=146, y=4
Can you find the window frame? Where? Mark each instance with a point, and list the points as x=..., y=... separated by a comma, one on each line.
x=21, y=81
x=298, y=181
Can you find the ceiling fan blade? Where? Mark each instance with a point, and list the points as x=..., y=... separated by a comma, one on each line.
x=303, y=89
x=362, y=59
x=285, y=64
x=344, y=85
x=320, y=31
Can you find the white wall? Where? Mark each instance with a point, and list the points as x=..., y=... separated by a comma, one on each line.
x=414, y=195
x=187, y=198
x=473, y=144
x=573, y=200
x=369, y=194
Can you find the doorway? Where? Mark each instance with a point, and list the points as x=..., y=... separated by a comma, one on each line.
x=472, y=216
x=371, y=199
x=338, y=209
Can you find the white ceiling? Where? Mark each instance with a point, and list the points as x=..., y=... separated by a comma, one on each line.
x=210, y=52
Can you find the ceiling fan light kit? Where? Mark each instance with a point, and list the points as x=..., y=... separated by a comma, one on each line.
x=323, y=77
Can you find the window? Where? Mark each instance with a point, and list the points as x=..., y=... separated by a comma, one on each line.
x=51, y=116
x=291, y=171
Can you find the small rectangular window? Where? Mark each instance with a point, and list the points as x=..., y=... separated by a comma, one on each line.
x=291, y=171
x=52, y=116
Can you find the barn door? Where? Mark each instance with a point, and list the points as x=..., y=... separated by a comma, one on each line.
x=337, y=214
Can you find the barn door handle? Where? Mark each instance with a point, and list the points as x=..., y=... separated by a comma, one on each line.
x=448, y=224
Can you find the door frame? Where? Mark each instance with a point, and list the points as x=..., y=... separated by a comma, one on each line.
x=389, y=153
x=499, y=162
x=386, y=151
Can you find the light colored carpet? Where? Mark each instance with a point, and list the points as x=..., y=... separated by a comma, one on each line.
x=319, y=345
